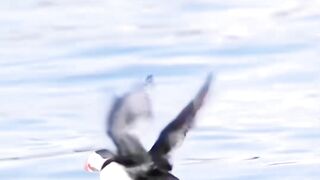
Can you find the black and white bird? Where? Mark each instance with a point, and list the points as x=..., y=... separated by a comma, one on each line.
x=132, y=161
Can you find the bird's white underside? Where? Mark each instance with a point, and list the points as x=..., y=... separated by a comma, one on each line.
x=114, y=171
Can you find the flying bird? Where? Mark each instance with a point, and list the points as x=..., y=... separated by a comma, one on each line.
x=132, y=161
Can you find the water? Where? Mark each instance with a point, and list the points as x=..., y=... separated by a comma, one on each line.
x=61, y=63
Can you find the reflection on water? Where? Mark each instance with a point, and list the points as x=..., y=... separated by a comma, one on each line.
x=63, y=61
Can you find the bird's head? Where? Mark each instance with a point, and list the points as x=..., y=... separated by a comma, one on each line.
x=97, y=160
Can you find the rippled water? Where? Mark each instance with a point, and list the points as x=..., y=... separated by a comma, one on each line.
x=62, y=62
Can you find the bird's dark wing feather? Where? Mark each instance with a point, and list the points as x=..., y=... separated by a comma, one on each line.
x=124, y=112
x=174, y=133
x=157, y=174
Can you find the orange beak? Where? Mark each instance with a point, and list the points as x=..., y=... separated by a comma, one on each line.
x=88, y=168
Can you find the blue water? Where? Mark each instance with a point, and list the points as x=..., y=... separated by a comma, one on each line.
x=62, y=62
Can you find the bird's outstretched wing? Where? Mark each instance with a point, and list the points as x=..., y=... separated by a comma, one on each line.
x=174, y=133
x=123, y=114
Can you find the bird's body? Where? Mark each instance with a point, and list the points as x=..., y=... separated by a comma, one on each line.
x=132, y=161
x=114, y=171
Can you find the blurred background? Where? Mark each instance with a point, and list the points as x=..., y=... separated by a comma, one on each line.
x=63, y=61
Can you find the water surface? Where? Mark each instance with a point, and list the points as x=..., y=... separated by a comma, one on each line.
x=62, y=62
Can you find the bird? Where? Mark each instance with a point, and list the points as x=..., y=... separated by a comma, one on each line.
x=132, y=161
